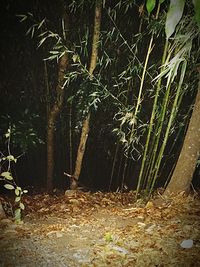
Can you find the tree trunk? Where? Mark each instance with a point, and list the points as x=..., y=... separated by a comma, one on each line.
x=185, y=167
x=86, y=123
x=53, y=113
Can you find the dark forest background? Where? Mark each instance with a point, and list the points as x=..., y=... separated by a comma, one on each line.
x=24, y=98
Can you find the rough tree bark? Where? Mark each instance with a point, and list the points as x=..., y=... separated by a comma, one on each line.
x=186, y=164
x=53, y=113
x=86, y=123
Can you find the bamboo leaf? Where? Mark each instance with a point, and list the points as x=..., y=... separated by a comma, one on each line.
x=150, y=5
x=51, y=57
x=9, y=186
x=32, y=32
x=173, y=16
x=41, y=42
x=23, y=17
x=197, y=11
x=29, y=30
x=42, y=34
x=41, y=23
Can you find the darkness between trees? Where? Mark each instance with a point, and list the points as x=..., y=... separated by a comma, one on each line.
x=116, y=141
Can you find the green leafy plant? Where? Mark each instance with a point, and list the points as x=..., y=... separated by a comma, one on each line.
x=25, y=133
x=175, y=13
x=108, y=237
x=9, y=182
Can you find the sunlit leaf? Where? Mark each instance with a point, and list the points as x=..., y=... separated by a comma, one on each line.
x=75, y=58
x=11, y=158
x=42, y=34
x=32, y=32
x=17, y=191
x=22, y=206
x=29, y=30
x=150, y=5
x=173, y=16
x=7, y=135
x=9, y=186
x=41, y=23
x=17, y=199
x=42, y=41
x=30, y=14
x=7, y=175
x=23, y=17
x=25, y=191
x=51, y=57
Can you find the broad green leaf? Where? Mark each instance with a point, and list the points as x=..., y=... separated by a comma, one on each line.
x=22, y=206
x=9, y=186
x=7, y=175
x=197, y=11
x=174, y=15
x=17, y=191
x=17, y=199
x=7, y=135
x=11, y=158
x=150, y=5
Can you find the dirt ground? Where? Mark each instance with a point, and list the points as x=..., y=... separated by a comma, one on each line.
x=110, y=229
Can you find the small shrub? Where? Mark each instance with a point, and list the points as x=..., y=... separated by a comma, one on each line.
x=7, y=177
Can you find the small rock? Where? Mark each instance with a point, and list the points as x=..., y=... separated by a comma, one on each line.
x=59, y=234
x=187, y=243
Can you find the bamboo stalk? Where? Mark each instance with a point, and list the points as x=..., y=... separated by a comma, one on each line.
x=151, y=121
x=172, y=116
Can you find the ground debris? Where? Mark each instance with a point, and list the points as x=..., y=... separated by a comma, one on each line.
x=103, y=229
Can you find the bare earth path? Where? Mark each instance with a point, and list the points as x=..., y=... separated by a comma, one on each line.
x=83, y=229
